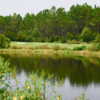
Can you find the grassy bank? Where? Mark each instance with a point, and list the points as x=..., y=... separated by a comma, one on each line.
x=47, y=48
x=34, y=44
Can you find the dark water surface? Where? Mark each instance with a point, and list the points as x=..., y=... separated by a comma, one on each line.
x=79, y=73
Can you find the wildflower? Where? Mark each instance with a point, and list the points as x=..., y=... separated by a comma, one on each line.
x=21, y=97
x=14, y=98
x=57, y=98
x=28, y=87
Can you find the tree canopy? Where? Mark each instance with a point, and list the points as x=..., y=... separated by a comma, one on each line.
x=53, y=21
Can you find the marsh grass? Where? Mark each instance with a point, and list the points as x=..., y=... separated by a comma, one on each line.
x=35, y=88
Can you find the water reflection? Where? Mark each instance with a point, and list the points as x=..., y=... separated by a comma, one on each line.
x=80, y=71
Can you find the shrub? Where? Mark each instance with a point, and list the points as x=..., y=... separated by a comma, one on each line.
x=97, y=40
x=79, y=48
x=94, y=47
x=56, y=47
x=4, y=41
x=86, y=35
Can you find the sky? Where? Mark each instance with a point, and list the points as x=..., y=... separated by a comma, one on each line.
x=8, y=7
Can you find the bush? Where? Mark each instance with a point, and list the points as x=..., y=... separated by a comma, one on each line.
x=97, y=40
x=4, y=41
x=87, y=35
x=56, y=47
x=79, y=48
x=94, y=47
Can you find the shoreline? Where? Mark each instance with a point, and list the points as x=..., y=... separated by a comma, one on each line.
x=50, y=51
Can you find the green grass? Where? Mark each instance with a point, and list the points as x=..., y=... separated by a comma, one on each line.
x=70, y=46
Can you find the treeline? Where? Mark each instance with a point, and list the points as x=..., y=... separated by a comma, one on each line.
x=52, y=25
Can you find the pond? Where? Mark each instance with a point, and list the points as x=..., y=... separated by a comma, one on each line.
x=78, y=73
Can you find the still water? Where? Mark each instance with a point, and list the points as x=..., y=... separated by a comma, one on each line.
x=78, y=73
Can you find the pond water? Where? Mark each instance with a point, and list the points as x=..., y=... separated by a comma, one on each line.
x=78, y=73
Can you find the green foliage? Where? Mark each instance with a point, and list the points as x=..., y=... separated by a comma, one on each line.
x=56, y=47
x=52, y=38
x=97, y=40
x=56, y=38
x=65, y=48
x=42, y=39
x=20, y=36
x=86, y=34
x=55, y=22
x=10, y=35
x=79, y=48
x=63, y=40
x=4, y=41
x=69, y=36
x=33, y=89
x=94, y=47
x=36, y=33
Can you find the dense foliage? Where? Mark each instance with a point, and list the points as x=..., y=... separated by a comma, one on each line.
x=53, y=22
x=4, y=41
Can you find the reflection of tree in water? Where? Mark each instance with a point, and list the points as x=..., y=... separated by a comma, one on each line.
x=80, y=71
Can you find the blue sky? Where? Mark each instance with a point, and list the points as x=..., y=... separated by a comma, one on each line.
x=8, y=7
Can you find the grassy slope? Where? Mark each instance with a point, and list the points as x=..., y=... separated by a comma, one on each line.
x=48, y=44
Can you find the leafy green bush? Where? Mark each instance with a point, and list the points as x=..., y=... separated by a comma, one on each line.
x=97, y=40
x=94, y=47
x=79, y=48
x=56, y=47
x=4, y=41
x=87, y=35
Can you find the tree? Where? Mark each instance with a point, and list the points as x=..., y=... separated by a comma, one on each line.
x=10, y=35
x=4, y=41
x=36, y=33
x=20, y=36
x=86, y=34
